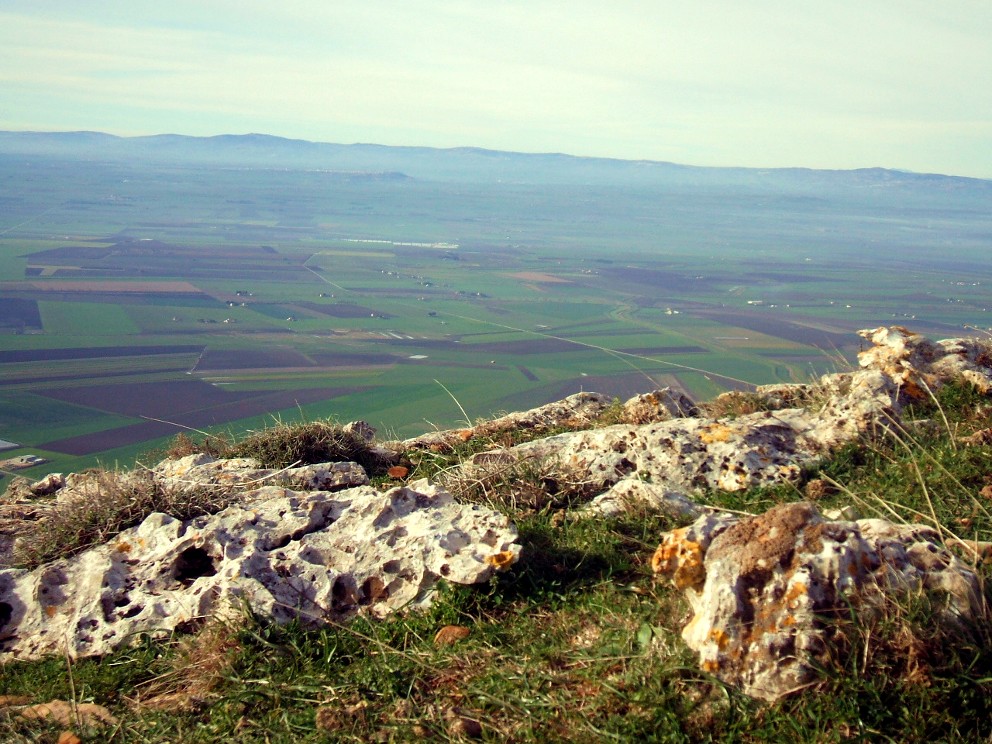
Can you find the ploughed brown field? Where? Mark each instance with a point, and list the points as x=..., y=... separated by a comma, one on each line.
x=9, y=356
x=110, y=287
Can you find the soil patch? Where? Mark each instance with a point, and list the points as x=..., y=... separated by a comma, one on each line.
x=278, y=358
x=10, y=356
x=19, y=313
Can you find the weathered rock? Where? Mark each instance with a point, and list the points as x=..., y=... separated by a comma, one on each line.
x=686, y=454
x=632, y=493
x=761, y=587
x=17, y=491
x=362, y=429
x=768, y=446
x=575, y=411
x=314, y=556
x=659, y=405
x=47, y=485
x=913, y=361
x=200, y=470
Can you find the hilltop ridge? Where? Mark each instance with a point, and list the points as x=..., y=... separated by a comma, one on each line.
x=555, y=511
x=472, y=164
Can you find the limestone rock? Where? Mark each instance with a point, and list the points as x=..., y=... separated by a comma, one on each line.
x=659, y=405
x=576, y=410
x=760, y=587
x=689, y=454
x=47, y=485
x=315, y=556
x=914, y=362
x=201, y=470
x=17, y=491
x=802, y=424
x=632, y=493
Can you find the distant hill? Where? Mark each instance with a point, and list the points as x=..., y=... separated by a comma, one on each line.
x=465, y=164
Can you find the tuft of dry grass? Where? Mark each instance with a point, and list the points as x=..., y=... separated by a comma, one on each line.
x=282, y=445
x=511, y=485
x=193, y=676
x=104, y=505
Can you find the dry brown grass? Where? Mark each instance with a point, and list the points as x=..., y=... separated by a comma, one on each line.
x=195, y=673
x=104, y=504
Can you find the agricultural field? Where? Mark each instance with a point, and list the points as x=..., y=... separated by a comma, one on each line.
x=140, y=299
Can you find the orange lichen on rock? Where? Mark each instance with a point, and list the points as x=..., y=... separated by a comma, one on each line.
x=502, y=560
x=717, y=432
x=720, y=638
x=797, y=590
x=681, y=559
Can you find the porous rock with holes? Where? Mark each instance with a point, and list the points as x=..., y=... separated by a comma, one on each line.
x=761, y=588
x=659, y=405
x=314, y=556
x=580, y=409
x=803, y=423
x=201, y=470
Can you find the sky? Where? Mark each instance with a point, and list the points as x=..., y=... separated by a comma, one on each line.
x=764, y=83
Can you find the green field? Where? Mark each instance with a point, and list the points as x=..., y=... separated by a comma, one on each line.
x=220, y=299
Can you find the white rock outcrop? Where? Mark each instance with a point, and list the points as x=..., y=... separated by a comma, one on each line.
x=658, y=405
x=803, y=423
x=315, y=556
x=199, y=470
x=576, y=410
x=763, y=588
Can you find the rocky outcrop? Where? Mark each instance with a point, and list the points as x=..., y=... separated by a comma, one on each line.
x=198, y=471
x=575, y=411
x=314, y=543
x=659, y=405
x=764, y=589
x=313, y=556
x=631, y=494
x=796, y=426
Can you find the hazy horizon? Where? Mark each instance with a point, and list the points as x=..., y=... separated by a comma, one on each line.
x=906, y=85
x=472, y=147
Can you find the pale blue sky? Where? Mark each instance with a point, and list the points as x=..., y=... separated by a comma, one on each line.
x=762, y=83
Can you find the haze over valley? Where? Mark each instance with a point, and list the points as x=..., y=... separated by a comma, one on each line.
x=162, y=284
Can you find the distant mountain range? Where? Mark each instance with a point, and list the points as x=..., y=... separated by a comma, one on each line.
x=466, y=164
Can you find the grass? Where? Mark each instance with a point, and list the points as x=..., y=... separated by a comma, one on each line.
x=108, y=503
x=578, y=642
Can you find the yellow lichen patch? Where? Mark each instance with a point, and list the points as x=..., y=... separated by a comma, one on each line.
x=720, y=638
x=465, y=434
x=796, y=591
x=124, y=547
x=667, y=552
x=711, y=666
x=50, y=611
x=680, y=558
x=502, y=560
x=716, y=433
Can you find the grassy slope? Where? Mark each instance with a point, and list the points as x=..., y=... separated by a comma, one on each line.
x=576, y=643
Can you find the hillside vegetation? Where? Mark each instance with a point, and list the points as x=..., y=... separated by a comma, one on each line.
x=578, y=642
